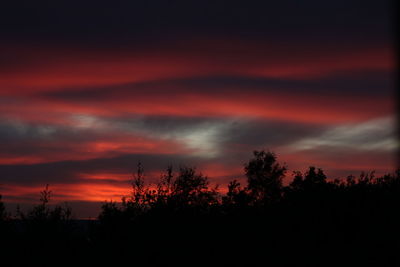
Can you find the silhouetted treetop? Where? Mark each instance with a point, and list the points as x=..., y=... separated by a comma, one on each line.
x=192, y=188
x=264, y=177
x=313, y=178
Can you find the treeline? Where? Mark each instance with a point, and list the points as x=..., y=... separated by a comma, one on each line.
x=183, y=220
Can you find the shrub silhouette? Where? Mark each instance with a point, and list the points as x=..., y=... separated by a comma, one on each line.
x=186, y=191
x=311, y=180
x=43, y=213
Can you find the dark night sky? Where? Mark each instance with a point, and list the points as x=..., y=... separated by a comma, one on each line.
x=88, y=89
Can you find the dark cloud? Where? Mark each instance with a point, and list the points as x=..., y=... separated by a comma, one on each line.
x=68, y=171
x=21, y=138
x=270, y=133
x=17, y=130
x=160, y=124
x=353, y=84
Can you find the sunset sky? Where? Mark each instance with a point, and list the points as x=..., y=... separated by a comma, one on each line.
x=89, y=89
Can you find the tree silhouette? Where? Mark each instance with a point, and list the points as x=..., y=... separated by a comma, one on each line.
x=142, y=196
x=237, y=197
x=41, y=212
x=312, y=179
x=182, y=217
x=165, y=187
x=264, y=177
x=3, y=214
x=192, y=189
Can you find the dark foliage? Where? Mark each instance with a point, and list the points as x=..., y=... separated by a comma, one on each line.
x=3, y=214
x=264, y=178
x=183, y=221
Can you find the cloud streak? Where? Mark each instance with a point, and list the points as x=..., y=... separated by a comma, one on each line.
x=374, y=135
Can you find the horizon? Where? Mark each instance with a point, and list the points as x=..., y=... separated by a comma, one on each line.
x=90, y=209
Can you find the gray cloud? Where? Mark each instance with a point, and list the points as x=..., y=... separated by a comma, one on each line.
x=372, y=135
x=230, y=144
x=207, y=137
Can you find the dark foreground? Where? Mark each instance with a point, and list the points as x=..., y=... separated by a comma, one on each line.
x=182, y=222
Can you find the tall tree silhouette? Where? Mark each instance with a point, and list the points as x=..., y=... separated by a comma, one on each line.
x=41, y=212
x=264, y=177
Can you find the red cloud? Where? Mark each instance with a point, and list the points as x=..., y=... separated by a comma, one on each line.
x=37, y=69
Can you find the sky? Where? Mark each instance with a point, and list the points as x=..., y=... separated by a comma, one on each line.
x=87, y=90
